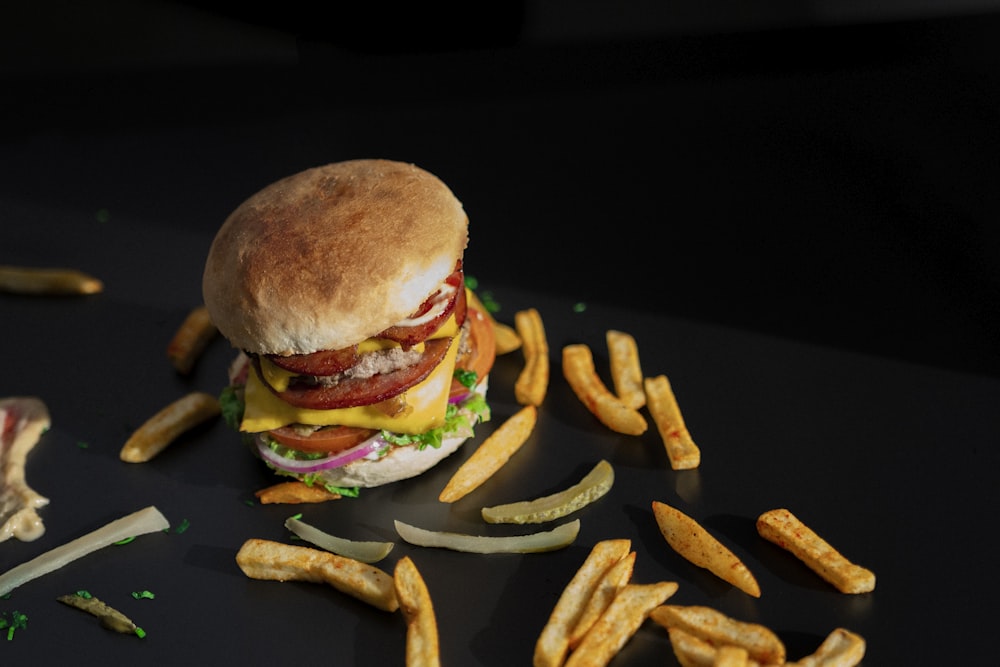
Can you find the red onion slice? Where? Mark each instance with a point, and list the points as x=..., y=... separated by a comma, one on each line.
x=372, y=444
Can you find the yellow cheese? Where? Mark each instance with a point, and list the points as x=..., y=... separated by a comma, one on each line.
x=429, y=399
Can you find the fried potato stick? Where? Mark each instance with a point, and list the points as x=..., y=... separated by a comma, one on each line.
x=55, y=281
x=491, y=455
x=786, y=530
x=711, y=625
x=190, y=340
x=619, y=622
x=841, y=648
x=689, y=539
x=682, y=451
x=615, y=578
x=533, y=381
x=553, y=642
x=626, y=372
x=578, y=368
x=167, y=425
x=293, y=493
x=422, y=645
x=276, y=561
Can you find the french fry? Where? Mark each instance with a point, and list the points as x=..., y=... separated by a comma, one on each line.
x=689, y=539
x=167, y=425
x=619, y=622
x=422, y=646
x=785, y=529
x=841, y=648
x=491, y=455
x=731, y=656
x=55, y=281
x=760, y=642
x=506, y=338
x=190, y=340
x=293, y=493
x=682, y=451
x=276, y=561
x=533, y=381
x=626, y=372
x=693, y=651
x=553, y=642
x=612, y=582
x=578, y=368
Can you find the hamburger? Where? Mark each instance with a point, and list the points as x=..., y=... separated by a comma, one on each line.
x=363, y=358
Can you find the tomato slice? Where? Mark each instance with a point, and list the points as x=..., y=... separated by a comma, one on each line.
x=329, y=440
x=482, y=341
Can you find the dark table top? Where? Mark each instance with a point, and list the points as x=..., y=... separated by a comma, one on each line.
x=796, y=220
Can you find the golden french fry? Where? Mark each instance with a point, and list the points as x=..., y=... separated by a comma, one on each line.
x=275, y=561
x=682, y=451
x=760, y=642
x=689, y=539
x=553, y=642
x=626, y=372
x=506, y=338
x=693, y=651
x=491, y=455
x=611, y=583
x=190, y=340
x=578, y=367
x=25, y=280
x=788, y=532
x=167, y=425
x=731, y=656
x=294, y=492
x=619, y=622
x=533, y=381
x=422, y=646
x=841, y=648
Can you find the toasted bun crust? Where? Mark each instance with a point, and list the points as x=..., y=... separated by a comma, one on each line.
x=330, y=256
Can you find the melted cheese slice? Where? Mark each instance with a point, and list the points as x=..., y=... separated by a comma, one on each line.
x=428, y=399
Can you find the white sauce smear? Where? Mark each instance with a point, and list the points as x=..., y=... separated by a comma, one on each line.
x=22, y=423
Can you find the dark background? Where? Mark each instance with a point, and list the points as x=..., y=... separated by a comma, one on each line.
x=819, y=171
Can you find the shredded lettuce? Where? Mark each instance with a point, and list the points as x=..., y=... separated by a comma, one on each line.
x=231, y=402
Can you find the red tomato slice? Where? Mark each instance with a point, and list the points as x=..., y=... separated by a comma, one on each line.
x=482, y=339
x=329, y=440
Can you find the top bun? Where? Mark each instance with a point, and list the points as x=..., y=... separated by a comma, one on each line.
x=330, y=256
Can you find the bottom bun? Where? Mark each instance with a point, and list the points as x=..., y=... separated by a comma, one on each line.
x=399, y=463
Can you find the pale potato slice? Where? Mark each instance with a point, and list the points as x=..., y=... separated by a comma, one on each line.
x=558, y=538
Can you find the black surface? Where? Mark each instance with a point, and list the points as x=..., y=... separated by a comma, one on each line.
x=798, y=225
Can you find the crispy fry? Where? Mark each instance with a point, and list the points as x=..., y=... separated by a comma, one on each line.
x=626, y=372
x=491, y=455
x=553, y=642
x=578, y=367
x=683, y=453
x=293, y=493
x=422, y=649
x=190, y=340
x=693, y=651
x=611, y=583
x=533, y=381
x=506, y=338
x=619, y=622
x=731, y=656
x=275, y=561
x=760, y=642
x=788, y=532
x=841, y=648
x=169, y=423
x=689, y=539
x=25, y=280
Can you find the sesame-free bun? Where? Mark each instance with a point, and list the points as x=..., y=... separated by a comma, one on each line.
x=330, y=256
